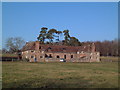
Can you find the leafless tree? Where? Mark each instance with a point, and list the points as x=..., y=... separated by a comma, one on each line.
x=14, y=44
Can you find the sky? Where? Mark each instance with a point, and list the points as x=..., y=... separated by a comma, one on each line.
x=87, y=21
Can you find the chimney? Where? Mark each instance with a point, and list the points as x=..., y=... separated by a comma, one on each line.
x=37, y=43
x=93, y=47
x=89, y=48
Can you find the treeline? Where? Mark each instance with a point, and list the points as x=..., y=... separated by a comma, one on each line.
x=106, y=48
x=52, y=36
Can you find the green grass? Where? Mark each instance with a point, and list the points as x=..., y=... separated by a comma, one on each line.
x=103, y=58
x=8, y=55
x=60, y=75
x=0, y=75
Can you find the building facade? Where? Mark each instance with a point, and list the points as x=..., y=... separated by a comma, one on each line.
x=36, y=52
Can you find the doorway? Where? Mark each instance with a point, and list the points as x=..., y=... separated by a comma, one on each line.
x=64, y=56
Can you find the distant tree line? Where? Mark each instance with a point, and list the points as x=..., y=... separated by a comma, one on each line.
x=52, y=36
x=106, y=48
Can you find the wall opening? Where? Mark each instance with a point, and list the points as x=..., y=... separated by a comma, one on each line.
x=71, y=56
x=41, y=56
x=32, y=56
x=50, y=56
x=39, y=47
x=32, y=51
x=64, y=56
x=58, y=56
x=46, y=55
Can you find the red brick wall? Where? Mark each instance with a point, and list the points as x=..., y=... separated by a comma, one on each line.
x=37, y=45
x=90, y=57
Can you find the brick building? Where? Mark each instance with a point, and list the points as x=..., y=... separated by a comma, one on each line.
x=36, y=52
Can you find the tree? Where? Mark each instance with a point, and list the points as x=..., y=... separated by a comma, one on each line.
x=42, y=35
x=14, y=44
x=54, y=37
x=58, y=32
x=74, y=42
x=106, y=47
x=4, y=50
x=66, y=36
x=50, y=35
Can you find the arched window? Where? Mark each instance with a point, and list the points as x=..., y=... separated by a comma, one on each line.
x=50, y=56
x=41, y=56
x=58, y=56
x=32, y=56
x=64, y=56
x=39, y=47
x=71, y=56
x=46, y=55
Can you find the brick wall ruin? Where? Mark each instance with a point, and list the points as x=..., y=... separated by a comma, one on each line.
x=39, y=54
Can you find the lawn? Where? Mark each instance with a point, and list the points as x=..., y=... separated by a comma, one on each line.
x=0, y=75
x=60, y=75
x=108, y=58
x=8, y=55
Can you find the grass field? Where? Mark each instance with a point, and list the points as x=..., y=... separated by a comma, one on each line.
x=108, y=58
x=60, y=75
x=0, y=75
x=8, y=55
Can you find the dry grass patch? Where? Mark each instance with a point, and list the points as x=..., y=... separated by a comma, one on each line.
x=60, y=75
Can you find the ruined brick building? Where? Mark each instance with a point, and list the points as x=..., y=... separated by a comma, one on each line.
x=36, y=52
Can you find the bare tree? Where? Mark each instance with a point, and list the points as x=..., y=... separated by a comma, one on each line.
x=4, y=50
x=106, y=47
x=14, y=44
